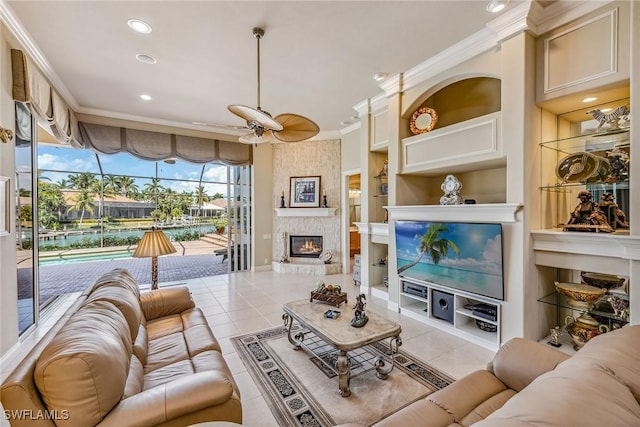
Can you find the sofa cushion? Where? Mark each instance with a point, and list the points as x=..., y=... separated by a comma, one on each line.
x=581, y=393
x=618, y=351
x=520, y=361
x=125, y=300
x=119, y=277
x=83, y=370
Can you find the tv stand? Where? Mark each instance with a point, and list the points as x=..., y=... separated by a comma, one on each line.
x=430, y=303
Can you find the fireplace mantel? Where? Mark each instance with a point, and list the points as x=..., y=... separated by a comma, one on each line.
x=305, y=211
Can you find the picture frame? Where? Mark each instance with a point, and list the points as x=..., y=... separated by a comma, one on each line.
x=304, y=192
x=5, y=226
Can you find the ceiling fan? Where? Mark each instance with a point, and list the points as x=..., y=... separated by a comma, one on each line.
x=287, y=127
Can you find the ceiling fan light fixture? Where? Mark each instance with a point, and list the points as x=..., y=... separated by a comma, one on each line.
x=253, y=138
x=139, y=26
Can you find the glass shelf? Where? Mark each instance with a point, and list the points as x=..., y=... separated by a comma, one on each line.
x=599, y=309
x=605, y=186
x=604, y=140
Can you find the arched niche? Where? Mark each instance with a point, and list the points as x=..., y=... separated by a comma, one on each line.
x=460, y=101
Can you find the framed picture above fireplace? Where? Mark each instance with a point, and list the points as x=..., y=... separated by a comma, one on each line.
x=304, y=192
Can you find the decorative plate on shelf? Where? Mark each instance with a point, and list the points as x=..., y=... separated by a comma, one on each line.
x=577, y=167
x=423, y=120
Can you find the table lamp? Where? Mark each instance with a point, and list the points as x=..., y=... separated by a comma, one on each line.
x=154, y=243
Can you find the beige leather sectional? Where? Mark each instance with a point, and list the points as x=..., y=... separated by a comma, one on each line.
x=122, y=358
x=533, y=384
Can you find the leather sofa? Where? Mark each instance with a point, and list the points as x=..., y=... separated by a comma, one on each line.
x=121, y=358
x=532, y=384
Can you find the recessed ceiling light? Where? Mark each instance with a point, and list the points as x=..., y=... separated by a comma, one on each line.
x=146, y=59
x=145, y=97
x=496, y=6
x=380, y=76
x=139, y=26
x=589, y=99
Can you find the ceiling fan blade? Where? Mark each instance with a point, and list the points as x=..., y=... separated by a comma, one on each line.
x=252, y=138
x=295, y=128
x=254, y=115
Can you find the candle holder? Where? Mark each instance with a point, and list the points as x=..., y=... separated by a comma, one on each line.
x=282, y=201
x=324, y=201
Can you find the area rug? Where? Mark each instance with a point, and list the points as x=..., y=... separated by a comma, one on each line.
x=301, y=391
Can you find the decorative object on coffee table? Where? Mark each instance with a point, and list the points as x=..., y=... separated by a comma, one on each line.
x=360, y=318
x=451, y=187
x=330, y=294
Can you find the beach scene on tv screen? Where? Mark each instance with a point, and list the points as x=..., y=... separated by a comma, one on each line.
x=458, y=255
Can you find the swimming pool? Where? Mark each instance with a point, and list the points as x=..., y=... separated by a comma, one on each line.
x=66, y=258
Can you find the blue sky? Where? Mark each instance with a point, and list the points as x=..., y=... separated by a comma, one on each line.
x=58, y=158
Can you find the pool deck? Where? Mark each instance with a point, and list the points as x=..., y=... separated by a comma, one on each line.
x=192, y=259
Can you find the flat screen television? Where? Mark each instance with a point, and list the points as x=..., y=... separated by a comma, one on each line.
x=464, y=256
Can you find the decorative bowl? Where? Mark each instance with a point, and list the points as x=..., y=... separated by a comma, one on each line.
x=579, y=295
x=604, y=281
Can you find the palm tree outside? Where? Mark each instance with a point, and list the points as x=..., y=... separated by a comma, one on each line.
x=432, y=244
x=83, y=203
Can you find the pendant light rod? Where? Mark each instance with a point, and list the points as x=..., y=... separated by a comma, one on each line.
x=258, y=33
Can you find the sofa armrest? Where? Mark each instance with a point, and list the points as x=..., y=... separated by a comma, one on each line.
x=165, y=301
x=171, y=400
x=520, y=361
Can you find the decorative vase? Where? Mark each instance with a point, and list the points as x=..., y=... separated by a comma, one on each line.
x=583, y=328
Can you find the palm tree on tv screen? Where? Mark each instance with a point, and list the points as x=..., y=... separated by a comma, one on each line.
x=432, y=244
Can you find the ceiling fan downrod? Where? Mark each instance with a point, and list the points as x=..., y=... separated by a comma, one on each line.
x=258, y=33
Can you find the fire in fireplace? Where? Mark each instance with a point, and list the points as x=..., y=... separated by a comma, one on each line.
x=305, y=246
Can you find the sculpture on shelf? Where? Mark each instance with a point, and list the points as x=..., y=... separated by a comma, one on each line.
x=451, y=187
x=615, y=119
x=619, y=162
x=615, y=215
x=554, y=340
x=360, y=319
x=587, y=216
x=620, y=307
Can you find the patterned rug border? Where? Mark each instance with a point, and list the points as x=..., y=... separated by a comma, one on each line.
x=293, y=405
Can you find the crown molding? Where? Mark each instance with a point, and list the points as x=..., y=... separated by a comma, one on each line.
x=514, y=21
x=392, y=85
x=378, y=102
x=362, y=108
x=25, y=41
x=350, y=128
x=460, y=52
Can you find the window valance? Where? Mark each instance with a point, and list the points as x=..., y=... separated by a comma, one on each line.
x=31, y=86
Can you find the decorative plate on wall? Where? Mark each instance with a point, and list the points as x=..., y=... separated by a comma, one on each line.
x=423, y=120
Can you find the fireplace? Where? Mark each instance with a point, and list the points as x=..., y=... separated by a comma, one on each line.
x=305, y=246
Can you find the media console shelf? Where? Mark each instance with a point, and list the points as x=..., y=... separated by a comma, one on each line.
x=451, y=310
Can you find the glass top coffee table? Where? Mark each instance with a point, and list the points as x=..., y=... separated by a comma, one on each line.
x=339, y=334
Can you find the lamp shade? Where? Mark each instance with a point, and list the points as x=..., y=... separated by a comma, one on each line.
x=153, y=243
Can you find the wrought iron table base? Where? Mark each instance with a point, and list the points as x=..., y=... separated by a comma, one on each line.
x=342, y=367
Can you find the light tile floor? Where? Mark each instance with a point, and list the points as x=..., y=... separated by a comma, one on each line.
x=243, y=302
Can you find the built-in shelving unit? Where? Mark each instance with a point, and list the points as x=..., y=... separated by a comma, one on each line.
x=451, y=310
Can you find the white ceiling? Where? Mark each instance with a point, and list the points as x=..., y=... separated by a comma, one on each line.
x=318, y=57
